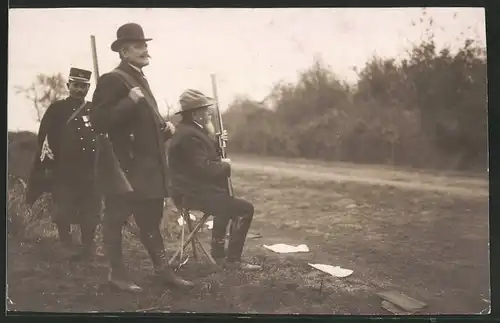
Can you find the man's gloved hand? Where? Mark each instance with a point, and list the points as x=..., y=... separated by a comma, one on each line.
x=224, y=136
x=169, y=127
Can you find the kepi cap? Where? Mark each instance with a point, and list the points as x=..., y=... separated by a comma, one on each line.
x=79, y=75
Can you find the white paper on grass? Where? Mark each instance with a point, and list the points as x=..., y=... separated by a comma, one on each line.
x=181, y=219
x=335, y=271
x=285, y=248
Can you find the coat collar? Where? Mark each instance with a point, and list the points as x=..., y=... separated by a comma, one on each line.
x=195, y=126
x=137, y=69
x=124, y=66
x=134, y=71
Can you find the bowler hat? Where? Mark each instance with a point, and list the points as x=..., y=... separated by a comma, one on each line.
x=192, y=100
x=128, y=32
x=79, y=75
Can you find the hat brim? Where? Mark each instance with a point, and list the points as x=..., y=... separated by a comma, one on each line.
x=78, y=79
x=194, y=109
x=115, y=46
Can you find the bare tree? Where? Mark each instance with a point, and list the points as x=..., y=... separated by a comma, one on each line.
x=44, y=91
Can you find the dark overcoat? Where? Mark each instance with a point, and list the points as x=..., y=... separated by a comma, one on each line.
x=73, y=144
x=135, y=131
x=195, y=164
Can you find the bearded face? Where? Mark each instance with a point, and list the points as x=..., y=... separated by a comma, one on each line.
x=209, y=127
x=204, y=117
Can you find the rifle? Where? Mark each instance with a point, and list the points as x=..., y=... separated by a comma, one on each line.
x=109, y=175
x=168, y=110
x=221, y=147
x=221, y=144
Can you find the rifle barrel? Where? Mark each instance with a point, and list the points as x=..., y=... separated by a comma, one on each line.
x=214, y=90
x=94, y=58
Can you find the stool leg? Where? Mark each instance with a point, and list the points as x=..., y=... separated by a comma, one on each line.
x=190, y=237
x=207, y=254
x=190, y=227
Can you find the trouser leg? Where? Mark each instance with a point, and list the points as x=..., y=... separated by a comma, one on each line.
x=238, y=234
x=147, y=216
x=64, y=213
x=219, y=236
x=63, y=225
x=88, y=230
x=115, y=215
x=90, y=217
x=64, y=232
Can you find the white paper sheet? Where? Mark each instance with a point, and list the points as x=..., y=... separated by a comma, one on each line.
x=335, y=271
x=210, y=224
x=285, y=248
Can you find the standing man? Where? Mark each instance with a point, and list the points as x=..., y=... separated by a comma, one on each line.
x=126, y=110
x=65, y=159
x=200, y=175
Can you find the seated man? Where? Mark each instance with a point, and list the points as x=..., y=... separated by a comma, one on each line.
x=200, y=175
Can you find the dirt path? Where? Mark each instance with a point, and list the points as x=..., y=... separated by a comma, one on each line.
x=462, y=186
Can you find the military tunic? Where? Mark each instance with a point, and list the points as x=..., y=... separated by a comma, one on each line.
x=78, y=146
x=73, y=143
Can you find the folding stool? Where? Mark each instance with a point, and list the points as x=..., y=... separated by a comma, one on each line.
x=182, y=205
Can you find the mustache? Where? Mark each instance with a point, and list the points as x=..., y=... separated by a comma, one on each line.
x=146, y=55
x=78, y=93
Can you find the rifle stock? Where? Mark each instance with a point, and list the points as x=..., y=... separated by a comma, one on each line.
x=109, y=175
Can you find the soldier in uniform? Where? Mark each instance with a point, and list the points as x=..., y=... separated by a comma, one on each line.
x=199, y=175
x=126, y=112
x=66, y=153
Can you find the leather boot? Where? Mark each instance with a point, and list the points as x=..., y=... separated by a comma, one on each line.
x=118, y=277
x=241, y=265
x=153, y=243
x=237, y=238
x=218, y=247
x=218, y=244
x=166, y=275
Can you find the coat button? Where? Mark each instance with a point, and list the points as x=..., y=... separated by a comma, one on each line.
x=83, y=148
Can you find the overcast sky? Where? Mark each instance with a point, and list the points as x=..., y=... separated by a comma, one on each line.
x=248, y=49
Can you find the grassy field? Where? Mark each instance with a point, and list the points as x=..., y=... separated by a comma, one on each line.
x=422, y=233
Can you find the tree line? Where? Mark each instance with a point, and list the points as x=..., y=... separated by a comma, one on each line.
x=428, y=110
